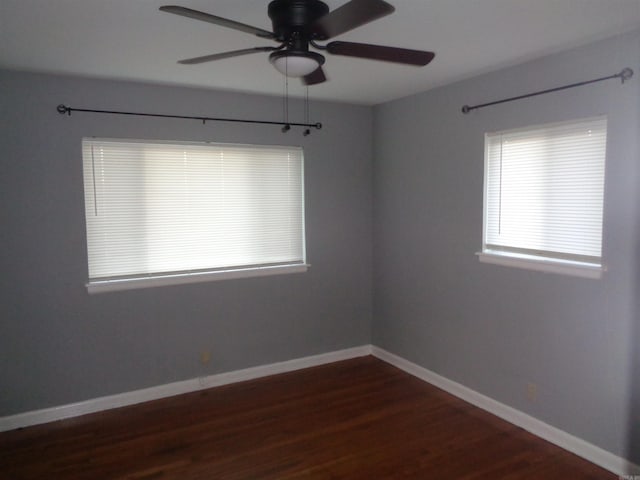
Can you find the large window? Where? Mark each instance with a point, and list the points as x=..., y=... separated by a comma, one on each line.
x=162, y=213
x=543, y=199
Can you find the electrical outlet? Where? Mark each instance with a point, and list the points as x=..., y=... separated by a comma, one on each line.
x=205, y=357
x=532, y=392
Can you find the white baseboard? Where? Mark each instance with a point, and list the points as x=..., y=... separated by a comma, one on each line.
x=162, y=391
x=586, y=450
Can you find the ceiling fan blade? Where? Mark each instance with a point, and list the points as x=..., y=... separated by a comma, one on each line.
x=220, y=56
x=224, y=22
x=315, y=77
x=379, y=52
x=349, y=16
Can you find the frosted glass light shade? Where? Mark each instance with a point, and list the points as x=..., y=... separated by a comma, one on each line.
x=296, y=64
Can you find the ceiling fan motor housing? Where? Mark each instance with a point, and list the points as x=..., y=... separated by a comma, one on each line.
x=292, y=18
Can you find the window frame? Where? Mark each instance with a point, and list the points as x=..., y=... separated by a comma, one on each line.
x=546, y=261
x=117, y=282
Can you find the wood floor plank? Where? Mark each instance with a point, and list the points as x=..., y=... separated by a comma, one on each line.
x=357, y=419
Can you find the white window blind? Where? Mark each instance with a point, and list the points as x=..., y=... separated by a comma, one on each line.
x=156, y=209
x=544, y=190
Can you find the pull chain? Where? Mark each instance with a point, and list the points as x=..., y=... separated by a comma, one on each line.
x=307, y=131
x=286, y=126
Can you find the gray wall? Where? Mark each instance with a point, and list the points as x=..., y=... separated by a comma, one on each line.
x=493, y=328
x=633, y=447
x=60, y=345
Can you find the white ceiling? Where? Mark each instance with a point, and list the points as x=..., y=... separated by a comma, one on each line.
x=131, y=39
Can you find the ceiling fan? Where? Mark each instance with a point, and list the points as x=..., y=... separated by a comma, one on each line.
x=300, y=24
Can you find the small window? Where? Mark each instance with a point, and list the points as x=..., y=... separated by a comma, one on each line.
x=163, y=213
x=543, y=197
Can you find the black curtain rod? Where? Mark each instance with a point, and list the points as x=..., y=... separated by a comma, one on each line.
x=624, y=75
x=62, y=109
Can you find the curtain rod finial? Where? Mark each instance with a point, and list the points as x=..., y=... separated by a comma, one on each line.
x=625, y=74
x=62, y=109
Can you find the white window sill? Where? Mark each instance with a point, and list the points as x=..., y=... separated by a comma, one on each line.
x=102, y=286
x=540, y=264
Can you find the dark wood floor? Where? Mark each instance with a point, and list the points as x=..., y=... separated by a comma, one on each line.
x=358, y=419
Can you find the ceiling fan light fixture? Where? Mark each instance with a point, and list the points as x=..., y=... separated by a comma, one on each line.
x=296, y=64
x=297, y=25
